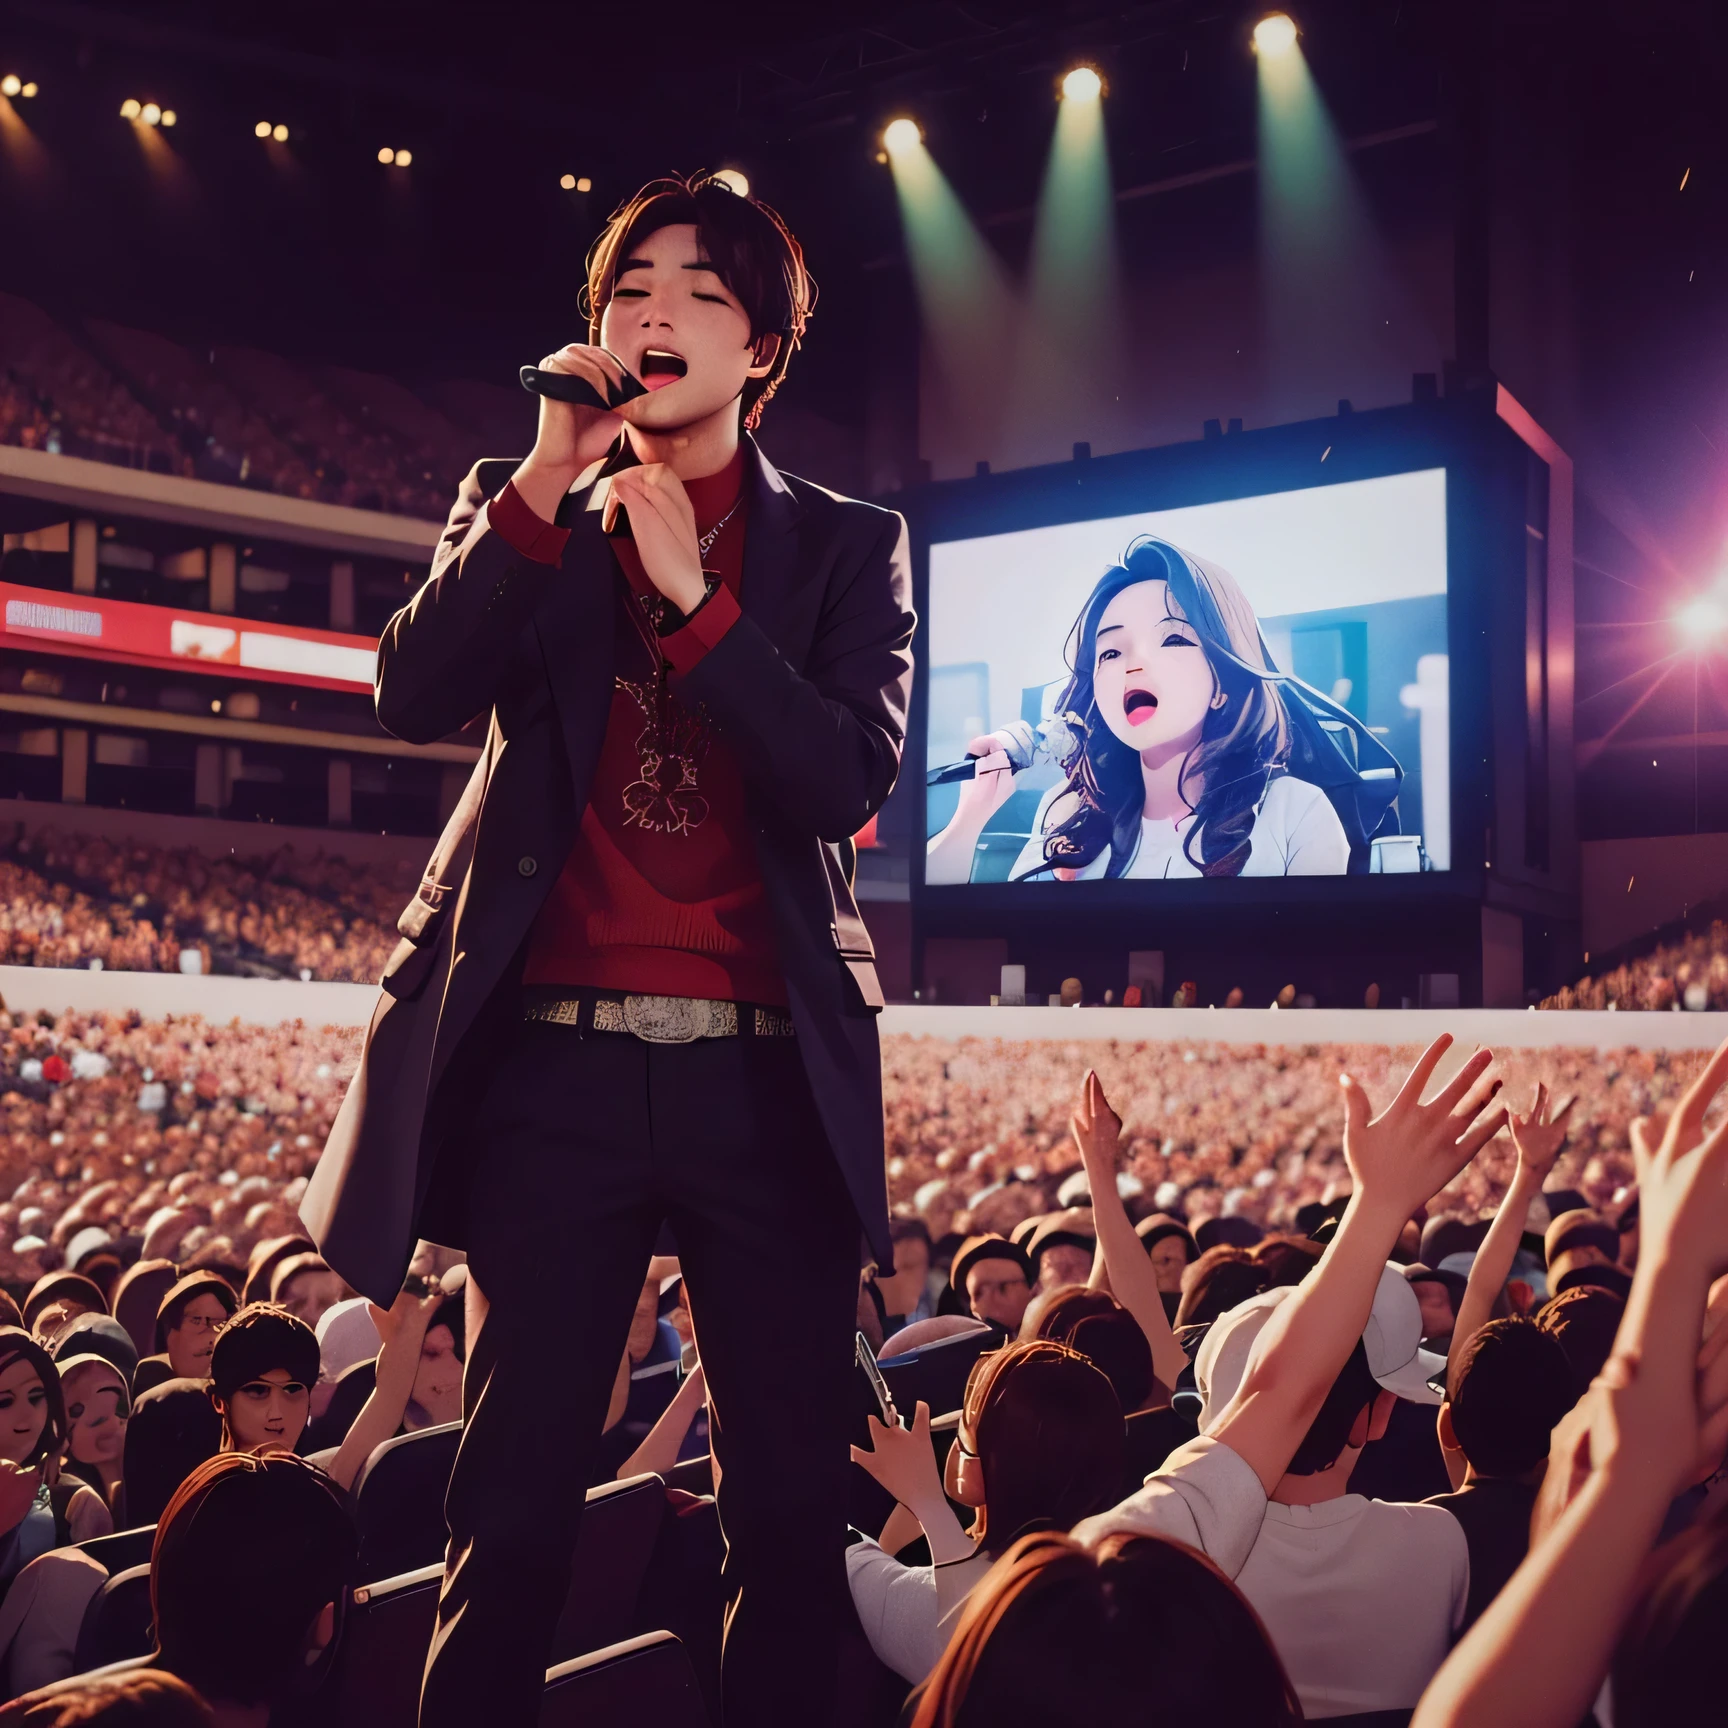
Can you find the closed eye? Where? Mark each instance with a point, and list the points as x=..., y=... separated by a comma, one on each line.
x=1176, y=640
x=713, y=299
x=629, y=293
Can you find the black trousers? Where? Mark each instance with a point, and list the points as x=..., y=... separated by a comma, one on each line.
x=590, y=1140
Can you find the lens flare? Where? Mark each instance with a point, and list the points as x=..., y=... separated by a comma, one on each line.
x=733, y=180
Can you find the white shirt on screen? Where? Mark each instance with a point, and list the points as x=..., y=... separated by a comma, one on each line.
x=1296, y=832
x=1360, y=1598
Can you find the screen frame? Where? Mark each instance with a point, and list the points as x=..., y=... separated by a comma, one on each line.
x=1483, y=460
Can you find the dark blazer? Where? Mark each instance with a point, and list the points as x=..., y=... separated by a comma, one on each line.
x=809, y=688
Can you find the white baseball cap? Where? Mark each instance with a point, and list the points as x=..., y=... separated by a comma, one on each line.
x=1391, y=1341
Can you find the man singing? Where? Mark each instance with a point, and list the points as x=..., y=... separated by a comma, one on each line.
x=633, y=988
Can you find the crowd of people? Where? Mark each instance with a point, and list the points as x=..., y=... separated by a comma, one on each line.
x=1690, y=973
x=1355, y=1466
x=236, y=415
x=78, y=899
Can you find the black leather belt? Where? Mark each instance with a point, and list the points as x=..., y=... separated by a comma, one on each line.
x=655, y=1019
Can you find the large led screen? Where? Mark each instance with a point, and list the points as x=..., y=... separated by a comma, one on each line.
x=1250, y=688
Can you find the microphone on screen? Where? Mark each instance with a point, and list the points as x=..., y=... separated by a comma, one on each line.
x=1022, y=744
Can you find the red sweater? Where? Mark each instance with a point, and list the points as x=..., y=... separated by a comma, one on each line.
x=661, y=893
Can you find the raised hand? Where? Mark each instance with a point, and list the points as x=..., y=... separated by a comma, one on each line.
x=1683, y=1177
x=1097, y=1131
x=903, y=1460
x=1403, y=1157
x=1539, y=1135
x=571, y=435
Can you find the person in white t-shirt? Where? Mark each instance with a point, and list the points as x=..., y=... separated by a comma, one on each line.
x=1213, y=1493
x=1183, y=749
x=1360, y=1597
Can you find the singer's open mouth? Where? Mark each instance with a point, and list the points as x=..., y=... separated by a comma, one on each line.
x=661, y=367
x=1139, y=706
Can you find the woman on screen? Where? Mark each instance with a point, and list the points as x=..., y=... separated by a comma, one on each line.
x=1195, y=755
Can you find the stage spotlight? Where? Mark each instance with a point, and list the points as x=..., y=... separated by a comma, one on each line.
x=30, y=88
x=150, y=114
x=11, y=84
x=170, y=118
x=568, y=182
x=130, y=108
x=262, y=129
x=404, y=157
x=900, y=136
x=280, y=133
x=1275, y=34
x=584, y=184
x=1705, y=616
x=733, y=181
x=386, y=155
x=1083, y=85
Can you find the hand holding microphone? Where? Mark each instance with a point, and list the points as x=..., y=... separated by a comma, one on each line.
x=581, y=389
x=1013, y=748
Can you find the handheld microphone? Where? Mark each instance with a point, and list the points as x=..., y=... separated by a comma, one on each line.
x=567, y=387
x=1021, y=745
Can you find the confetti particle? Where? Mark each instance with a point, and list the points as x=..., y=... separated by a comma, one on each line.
x=1684, y=178
x=1326, y=452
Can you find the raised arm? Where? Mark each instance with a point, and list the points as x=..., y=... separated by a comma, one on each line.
x=1538, y=1138
x=1655, y=1417
x=903, y=1460
x=1097, y=1131
x=1398, y=1160
x=659, y=1449
x=403, y=1332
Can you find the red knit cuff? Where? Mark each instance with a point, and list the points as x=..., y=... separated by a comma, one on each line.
x=685, y=648
x=512, y=519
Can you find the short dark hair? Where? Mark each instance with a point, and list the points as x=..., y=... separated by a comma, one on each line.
x=186, y=1291
x=1585, y=1320
x=452, y=1313
x=1221, y=1279
x=1107, y=1335
x=908, y=1230
x=248, y=1551
x=1511, y=1385
x=1066, y=1637
x=751, y=248
x=1049, y=1433
x=1329, y=1433
x=262, y=1337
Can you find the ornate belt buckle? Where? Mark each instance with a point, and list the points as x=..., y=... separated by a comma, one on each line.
x=665, y=1019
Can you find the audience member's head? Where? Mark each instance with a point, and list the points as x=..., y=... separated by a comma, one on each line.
x=32, y=1408
x=97, y=1406
x=1062, y=1248
x=305, y=1285
x=995, y=1278
x=1285, y=1259
x=1440, y=1294
x=1227, y=1232
x=138, y=1296
x=173, y=1427
x=1221, y=1279
x=1585, y=1321
x=57, y=1299
x=1510, y=1385
x=1170, y=1247
x=1040, y=1443
x=437, y=1394
x=187, y=1322
x=1105, y=1333
x=1593, y=1275
x=904, y=1285
x=261, y=1264
x=347, y=1334
x=261, y=1375
x=98, y=1335
x=1139, y=1629
x=1579, y=1238
x=253, y=1557
x=146, y=1698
